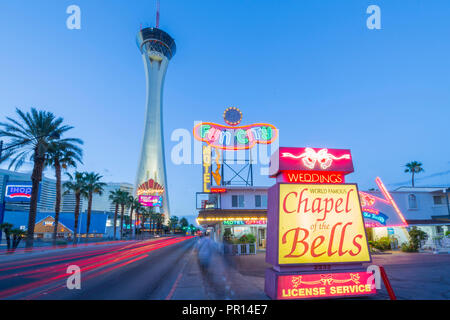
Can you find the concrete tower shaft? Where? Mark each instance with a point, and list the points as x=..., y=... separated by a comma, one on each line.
x=157, y=48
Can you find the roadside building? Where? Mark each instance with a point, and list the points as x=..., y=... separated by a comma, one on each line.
x=47, y=194
x=426, y=208
x=238, y=209
x=16, y=212
x=45, y=223
x=44, y=229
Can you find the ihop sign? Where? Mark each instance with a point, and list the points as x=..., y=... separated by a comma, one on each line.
x=18, y=192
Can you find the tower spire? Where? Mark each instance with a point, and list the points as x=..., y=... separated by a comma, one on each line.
x=157, y=13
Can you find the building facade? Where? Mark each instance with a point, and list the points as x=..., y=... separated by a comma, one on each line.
x=238, y=211
x=427, y=208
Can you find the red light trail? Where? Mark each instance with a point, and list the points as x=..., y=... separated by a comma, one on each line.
x=92, y=264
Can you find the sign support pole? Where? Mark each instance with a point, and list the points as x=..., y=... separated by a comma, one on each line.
x=2, y=203
x=387, y=284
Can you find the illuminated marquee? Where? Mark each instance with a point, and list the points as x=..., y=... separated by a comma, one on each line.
x=218, y=190
x=150, y=201
x=381, y=212
x=313, y=177
x=311, y=159
x=235, y=138
x=150, y=187
x=315, y=220
x=244, y=222
x=18, y=192
x=207, y=169
x=320, y=224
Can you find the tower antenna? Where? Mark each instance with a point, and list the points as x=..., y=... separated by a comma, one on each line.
x=157, y=13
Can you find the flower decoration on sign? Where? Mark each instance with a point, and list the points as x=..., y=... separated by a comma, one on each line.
x=326, y=279
x=366, y=199
x=310, y=158
x=355, y=277
x=296, y=281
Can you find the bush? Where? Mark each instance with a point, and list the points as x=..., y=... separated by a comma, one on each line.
x=227, y=235
x=382, y=244
x=447, y=233
x=408, y=247
x=416, y=236
x=247, y=238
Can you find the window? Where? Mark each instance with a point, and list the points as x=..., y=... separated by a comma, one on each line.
x=237, y=201
x=412, y=201
x=260, y=201
x=257, y=201
x=264, y=201
x=437, y=200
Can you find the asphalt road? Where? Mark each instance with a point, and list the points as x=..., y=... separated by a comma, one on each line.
x=142, y=270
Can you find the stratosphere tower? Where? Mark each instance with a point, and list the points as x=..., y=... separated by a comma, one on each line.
x=157, y=48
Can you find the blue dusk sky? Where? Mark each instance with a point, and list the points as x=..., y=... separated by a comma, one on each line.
x=311, y=68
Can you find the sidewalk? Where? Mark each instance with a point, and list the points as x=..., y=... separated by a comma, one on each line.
x=414, y=276
x=210, y=275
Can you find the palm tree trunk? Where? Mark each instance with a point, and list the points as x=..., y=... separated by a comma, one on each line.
x=88, y=220
x=77, y=213
x=36, y=178
x=135, y=225
x=131, y=222
x=413, y=177
x=115, y=219
x=58, y=198
x=121, y=220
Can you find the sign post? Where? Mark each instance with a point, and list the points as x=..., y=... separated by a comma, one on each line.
x=316, y=237
x=3, y=202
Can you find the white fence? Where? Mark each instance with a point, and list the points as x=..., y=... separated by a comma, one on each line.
x=239, y=249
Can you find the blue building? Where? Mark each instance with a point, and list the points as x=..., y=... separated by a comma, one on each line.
x=19, y=219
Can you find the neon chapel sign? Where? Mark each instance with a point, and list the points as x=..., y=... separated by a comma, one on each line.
x=310, y=157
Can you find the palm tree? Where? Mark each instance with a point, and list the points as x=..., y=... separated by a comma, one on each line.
x=123, y=202
x=134, y=205
x=414, y=167
x=62, y=154
x=184, y=222
x=29, y=138
x=92, y=186
x=77, y=185
x=115, y=197
x=173, y=223
x=153, y=220
x=146, y=213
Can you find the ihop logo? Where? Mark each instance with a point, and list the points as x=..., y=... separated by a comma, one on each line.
x=18, y=191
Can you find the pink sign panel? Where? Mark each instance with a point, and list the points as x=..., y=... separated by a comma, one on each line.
x=150, y=201
x=311, y=159
x=328, y=285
